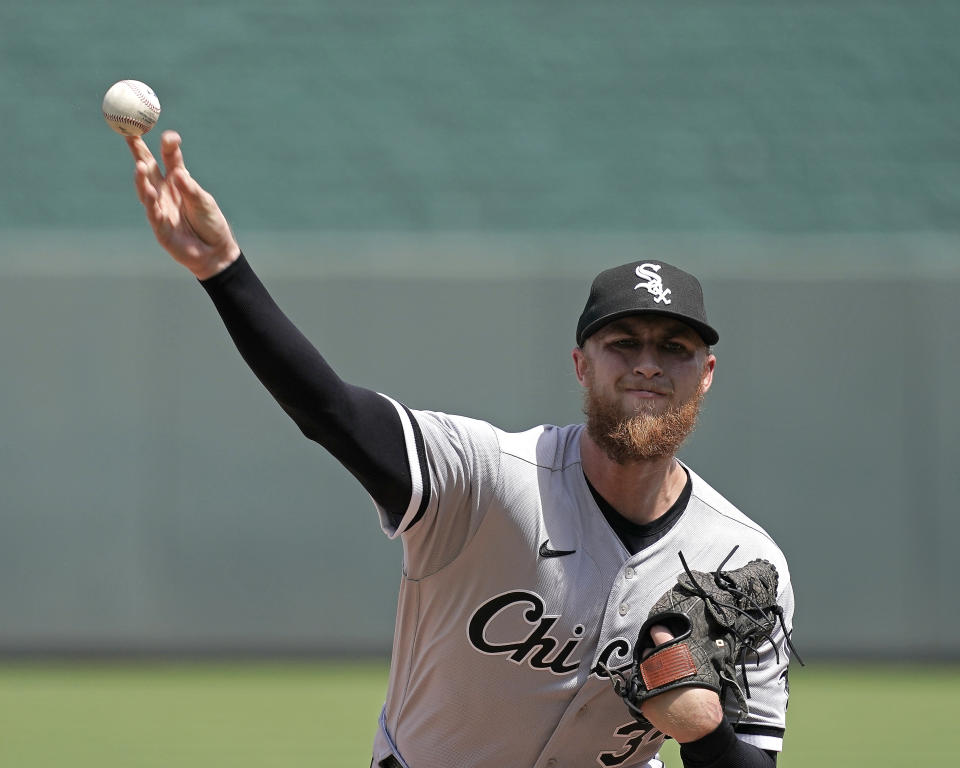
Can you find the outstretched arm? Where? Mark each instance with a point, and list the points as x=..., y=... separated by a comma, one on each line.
x=359, y=427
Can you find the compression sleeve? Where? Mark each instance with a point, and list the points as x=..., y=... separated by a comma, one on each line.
x=358, y=426
x=722, y=749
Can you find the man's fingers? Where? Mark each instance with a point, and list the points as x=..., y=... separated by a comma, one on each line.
x=660, y=634
x=170, y=151
x=146, y=192
x=148, y=197
x=142, y=154
x=139, y=148
x=151, y=199
x=149, y=190
x=196, y=201
x=185, y=184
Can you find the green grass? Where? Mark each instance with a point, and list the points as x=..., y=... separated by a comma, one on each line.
x=868, y=716
x=140, y=715
x=234, y=715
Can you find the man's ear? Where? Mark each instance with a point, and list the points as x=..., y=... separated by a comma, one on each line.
x=708, y=368
x=580, y=364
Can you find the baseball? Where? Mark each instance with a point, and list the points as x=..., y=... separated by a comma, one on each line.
x=131, y=107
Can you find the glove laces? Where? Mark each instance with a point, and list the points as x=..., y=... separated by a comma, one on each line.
x=726, y=583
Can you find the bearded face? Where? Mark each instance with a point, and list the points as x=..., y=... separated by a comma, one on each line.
x=637, y=433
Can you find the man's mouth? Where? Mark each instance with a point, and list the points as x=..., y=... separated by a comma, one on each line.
x=645, y=392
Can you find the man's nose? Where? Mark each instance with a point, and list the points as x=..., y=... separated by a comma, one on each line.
x=647, y=363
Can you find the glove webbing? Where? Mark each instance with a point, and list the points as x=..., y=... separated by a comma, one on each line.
x=676, y=662
x=726, y=583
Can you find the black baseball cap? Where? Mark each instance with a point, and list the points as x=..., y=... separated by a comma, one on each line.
x=648, y=287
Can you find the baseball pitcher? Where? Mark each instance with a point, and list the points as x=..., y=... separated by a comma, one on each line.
x=571, y=595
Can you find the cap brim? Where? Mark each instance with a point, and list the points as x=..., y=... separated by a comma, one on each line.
x=708, y=334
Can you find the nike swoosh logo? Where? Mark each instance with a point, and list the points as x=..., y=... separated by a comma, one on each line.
x=545, y=551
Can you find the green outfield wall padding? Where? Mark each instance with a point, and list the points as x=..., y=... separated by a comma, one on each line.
x=772, y=115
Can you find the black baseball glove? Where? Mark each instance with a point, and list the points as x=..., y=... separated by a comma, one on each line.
x=717, y=620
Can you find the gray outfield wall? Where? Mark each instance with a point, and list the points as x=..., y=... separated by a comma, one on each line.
x=154, y=498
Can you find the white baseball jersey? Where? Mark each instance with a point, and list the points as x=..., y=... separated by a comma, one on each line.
x=515, y=593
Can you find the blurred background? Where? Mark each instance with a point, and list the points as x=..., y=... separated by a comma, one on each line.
x=428, y=188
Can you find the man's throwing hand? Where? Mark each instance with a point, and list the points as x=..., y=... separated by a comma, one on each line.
x=185, y=218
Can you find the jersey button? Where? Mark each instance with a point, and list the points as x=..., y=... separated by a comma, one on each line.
x=624, y=608
x=629, y=573
x=552, y=763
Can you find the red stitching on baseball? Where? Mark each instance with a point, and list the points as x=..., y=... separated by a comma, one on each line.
x=128, y=120
x=148, y=104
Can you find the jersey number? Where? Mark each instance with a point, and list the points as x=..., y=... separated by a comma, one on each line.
x=638, y=737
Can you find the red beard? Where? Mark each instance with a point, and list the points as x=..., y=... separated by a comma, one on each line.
x=643, y=435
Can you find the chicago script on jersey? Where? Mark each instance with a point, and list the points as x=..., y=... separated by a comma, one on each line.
x=538, y=649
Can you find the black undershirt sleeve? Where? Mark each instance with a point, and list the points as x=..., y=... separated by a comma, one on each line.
x=359, y=427
x=722, y=749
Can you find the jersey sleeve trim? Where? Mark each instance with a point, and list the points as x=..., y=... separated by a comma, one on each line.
x=419, y=471
x=424, y=470
x=763, y=736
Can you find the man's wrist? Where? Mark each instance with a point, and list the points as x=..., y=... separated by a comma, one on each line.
x=218, y=264
x=721, y=748
x=708, y=749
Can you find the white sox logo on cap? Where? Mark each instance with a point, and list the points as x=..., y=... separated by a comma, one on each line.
x=654, y=284
x=615, y=293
